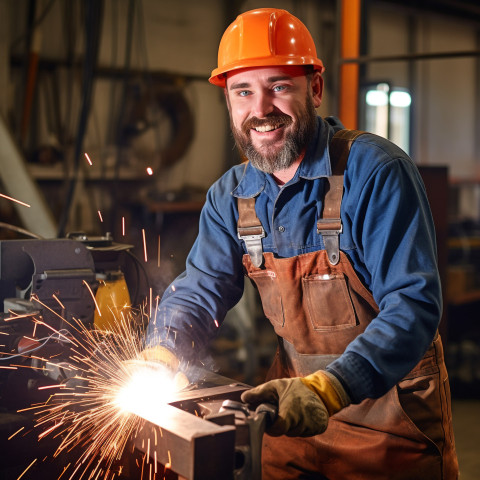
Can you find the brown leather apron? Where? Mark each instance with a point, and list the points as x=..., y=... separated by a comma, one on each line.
x=317, y=308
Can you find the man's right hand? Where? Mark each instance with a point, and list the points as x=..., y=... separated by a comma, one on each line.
x=168, y=359
x=161, y=355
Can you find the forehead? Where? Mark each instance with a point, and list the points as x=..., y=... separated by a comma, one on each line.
x=248, y=76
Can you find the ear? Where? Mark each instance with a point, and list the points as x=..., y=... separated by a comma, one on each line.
x=317, y=88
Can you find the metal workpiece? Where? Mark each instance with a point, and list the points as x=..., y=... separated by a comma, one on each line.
x=207, y=433
x=192, y=447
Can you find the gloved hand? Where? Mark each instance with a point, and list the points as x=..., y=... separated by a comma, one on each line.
x=304, y=403
x=168, y=359
x=161, y=355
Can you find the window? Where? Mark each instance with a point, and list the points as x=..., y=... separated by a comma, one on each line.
x=386, y=111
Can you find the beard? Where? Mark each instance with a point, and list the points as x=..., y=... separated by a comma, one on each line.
x=269, y=158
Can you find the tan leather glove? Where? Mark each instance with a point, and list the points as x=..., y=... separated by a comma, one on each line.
x=167, y=358
x=304, y=404
x=161, y=355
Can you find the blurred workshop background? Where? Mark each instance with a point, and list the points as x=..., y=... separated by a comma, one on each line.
x=111, y=133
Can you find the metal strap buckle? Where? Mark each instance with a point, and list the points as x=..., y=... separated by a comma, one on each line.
x=254, y=246
x=331, y=239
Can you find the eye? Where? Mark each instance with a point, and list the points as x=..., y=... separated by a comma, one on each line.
x=243, y=93
x=279, y=88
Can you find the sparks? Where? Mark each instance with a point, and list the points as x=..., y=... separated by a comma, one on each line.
x=149, y=170
x=14, y=200
x=216, y=323
x=123, y=226
x=93, y=296
x=13, y=434
x=151, y=302
x=88, y=159
x=100, y=215
x=25, y=471
x=157, y=300
x=158, y=261
x=58, y=301
x=51, y=386
x=105, y=399
x=144, y=245
x=99, y=415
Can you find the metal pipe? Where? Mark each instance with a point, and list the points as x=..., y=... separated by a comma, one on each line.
x=19, y=184
x=349, y=72
x=409, y=56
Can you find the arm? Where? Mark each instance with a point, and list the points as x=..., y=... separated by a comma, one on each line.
x=394, y=234
x=195, y=304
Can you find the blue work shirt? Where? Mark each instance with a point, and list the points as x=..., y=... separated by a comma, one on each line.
x=388, y=235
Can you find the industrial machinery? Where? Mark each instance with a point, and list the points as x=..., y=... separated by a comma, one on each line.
x=49, y=276
x=55, y=282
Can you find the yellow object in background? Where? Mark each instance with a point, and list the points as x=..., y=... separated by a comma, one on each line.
x=112, y=299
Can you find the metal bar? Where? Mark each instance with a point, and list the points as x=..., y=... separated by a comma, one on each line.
x=194, y=448
x=410, y=56
x=223, y=391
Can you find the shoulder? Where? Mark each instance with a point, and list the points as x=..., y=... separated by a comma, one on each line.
x=371, y=154
x=219, y=196
x=377, y=149
x=228, y=181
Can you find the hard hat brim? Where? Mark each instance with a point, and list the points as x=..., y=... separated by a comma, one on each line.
x=219, y=75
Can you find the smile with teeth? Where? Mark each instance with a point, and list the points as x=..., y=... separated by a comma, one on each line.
x=266, y=128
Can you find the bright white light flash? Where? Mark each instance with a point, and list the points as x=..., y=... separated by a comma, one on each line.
x=146, y=389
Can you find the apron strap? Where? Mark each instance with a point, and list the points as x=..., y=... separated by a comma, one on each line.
x=250, y=230
x=329, y=226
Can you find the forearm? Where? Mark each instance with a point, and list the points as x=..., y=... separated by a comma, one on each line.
x=194, y=305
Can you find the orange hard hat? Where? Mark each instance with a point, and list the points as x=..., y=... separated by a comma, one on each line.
x=262, y=38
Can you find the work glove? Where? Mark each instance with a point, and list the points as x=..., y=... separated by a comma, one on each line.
x=167, y=359
x=304, y=403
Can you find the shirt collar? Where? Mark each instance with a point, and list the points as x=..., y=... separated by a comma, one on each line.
x=315, y=164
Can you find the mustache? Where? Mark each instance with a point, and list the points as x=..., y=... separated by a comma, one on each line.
x=277, y=120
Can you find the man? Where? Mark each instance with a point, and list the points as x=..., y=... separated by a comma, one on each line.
x=349, y=284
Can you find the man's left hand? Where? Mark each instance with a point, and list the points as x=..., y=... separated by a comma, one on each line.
x=304, y=404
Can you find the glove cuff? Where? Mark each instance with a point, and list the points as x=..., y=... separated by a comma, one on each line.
x=161, y=355
x=329, y=389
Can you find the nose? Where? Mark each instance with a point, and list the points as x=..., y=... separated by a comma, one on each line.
x=262, y=105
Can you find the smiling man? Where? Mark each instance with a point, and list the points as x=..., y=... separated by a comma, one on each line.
x=334, y=229
x=273, y=115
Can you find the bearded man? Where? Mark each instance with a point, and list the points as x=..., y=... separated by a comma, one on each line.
x=334, y=229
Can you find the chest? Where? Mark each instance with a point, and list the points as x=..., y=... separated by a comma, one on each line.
x=289, y=217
